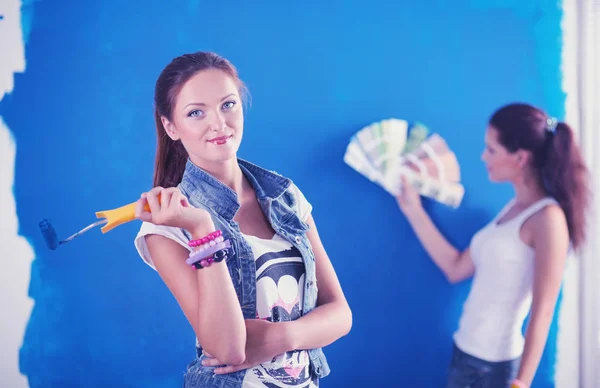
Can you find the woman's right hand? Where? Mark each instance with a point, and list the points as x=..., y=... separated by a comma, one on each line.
x=170, y=207
x=409, y=199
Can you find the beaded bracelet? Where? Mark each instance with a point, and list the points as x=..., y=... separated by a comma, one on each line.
x=204, y=247
x=204, y=253
x=219, y=255
x=205, y=241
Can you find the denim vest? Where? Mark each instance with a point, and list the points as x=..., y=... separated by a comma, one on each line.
x=279, y=206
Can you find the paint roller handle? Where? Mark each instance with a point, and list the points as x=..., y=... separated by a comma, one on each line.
x=120, y=216
x=189, y=219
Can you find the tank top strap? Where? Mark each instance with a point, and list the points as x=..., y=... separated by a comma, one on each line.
x=503, y=211
x=534, y=208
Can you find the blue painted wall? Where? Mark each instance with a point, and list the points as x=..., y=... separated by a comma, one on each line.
x=82, y=118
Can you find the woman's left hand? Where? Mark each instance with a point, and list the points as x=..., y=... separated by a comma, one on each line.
x=264, y=341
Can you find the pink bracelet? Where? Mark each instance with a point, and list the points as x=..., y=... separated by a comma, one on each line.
x=205, y=241
x=208, y=245
x=518, y=384
x=203, y=254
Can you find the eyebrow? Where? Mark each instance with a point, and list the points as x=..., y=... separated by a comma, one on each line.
x=203, y=104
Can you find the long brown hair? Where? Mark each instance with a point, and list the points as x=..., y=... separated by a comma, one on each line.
x=171, y=156
x=556, y=158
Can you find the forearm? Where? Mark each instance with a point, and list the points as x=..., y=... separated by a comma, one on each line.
x=220, y=323
x=321, y=327
x=443, y=254
x=535, y=341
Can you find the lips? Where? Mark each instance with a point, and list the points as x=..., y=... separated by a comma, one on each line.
x=220, y=140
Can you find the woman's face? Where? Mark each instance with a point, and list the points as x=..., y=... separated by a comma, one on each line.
x=208, y=118
x=502, y=165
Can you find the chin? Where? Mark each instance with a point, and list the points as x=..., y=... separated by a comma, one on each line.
x=207, y=158
x=220, y=153
x=493, y=178
x=224, y=155
x=220, y=158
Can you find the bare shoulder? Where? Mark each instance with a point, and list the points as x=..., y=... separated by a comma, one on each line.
x=549, y=217
x=548, y=227
x=546, y=224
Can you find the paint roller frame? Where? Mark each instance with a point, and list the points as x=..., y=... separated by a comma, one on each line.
x=109, y=218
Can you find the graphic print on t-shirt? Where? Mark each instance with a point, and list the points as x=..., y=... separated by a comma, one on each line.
x=279, y=285
x=280, y=276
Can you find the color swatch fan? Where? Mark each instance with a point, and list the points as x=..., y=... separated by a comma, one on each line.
x=372, y=150
x=387, y=150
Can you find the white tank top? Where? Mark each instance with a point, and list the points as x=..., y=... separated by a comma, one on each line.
x=491, y=324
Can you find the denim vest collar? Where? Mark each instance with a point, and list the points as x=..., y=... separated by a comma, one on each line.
x=221, y=198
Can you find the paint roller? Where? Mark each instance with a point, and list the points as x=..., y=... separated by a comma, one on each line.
x=109, y=218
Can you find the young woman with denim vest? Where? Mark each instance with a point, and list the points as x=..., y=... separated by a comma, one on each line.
x=235, y=244
x=517, y=260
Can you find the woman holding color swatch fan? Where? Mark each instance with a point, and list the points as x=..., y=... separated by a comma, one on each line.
x=517, y=261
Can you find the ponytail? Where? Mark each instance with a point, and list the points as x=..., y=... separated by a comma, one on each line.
x=565, y=177
x=171, y=158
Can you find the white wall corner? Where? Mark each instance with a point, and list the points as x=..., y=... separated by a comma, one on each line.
x=578, y=358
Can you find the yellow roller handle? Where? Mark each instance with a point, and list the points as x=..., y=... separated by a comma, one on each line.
x=119, y=216
x=116, y=217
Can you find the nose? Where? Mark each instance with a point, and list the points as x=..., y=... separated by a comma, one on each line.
x=217, y=122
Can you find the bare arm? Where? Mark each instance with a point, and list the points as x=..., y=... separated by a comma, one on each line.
x=332, y=318
x=455, y=265
x=206, y=296
x=551, y=243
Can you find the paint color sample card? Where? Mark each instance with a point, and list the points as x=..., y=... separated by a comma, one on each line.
x=386, y=151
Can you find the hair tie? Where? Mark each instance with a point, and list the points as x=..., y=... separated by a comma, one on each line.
x=551, y=124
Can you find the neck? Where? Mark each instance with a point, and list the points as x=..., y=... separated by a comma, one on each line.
x=529, y=190
x=227, y=172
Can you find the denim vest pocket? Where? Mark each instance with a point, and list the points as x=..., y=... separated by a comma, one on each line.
x=198, y=375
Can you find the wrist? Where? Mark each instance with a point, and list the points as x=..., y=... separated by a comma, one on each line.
x=201, y=230
x=415, y=214
x=198, y=224
x=287, y=335
x=516, y=383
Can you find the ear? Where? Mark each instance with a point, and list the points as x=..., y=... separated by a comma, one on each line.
x=523, y=158
x=170, y=128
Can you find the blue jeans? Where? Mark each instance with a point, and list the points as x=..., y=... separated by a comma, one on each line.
x=467, y=371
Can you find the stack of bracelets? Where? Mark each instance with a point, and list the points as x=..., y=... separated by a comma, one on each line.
x=210, y=249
